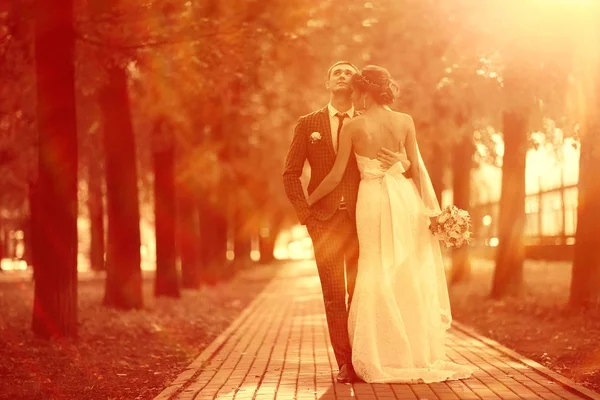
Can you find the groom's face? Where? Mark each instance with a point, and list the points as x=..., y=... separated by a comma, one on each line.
x=339, y=78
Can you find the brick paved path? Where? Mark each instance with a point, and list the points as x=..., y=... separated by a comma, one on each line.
x=279, y=349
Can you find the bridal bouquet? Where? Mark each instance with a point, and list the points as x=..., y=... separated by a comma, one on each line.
x=452, y=227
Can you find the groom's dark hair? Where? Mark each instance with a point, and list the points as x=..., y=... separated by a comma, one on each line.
x=340, y=63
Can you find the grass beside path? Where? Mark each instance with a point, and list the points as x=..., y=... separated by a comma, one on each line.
x=538, y=325
x=119, y=355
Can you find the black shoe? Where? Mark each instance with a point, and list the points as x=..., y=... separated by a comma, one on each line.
x=346, y=374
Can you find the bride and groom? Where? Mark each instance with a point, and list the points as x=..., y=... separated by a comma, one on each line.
x=368, y=213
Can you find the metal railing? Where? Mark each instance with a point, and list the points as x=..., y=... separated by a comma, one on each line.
x=551, y=219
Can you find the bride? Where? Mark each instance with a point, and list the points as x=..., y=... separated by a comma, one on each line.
x=400, y=310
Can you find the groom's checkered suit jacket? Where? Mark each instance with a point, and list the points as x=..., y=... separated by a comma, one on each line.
x=321, y=156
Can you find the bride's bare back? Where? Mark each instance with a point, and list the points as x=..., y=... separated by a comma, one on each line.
x=377, y=129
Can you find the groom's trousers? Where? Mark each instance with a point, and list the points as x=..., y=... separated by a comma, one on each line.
x=335, y=241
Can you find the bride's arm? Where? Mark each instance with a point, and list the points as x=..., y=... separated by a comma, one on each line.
x=337, y=171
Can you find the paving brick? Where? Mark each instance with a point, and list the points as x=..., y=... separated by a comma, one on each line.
x=279, y=349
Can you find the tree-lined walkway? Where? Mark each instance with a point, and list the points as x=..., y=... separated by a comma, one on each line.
x=279, y=349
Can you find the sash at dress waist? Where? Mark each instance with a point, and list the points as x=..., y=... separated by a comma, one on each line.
x=397, y=241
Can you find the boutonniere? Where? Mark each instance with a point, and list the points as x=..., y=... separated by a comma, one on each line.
x=315, y=137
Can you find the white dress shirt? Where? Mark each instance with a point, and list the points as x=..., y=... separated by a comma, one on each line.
x=334, y=122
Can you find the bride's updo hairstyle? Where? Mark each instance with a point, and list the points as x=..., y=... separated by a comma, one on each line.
x=376, y=81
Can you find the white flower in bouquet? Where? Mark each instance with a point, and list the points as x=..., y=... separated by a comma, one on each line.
x=452, y=227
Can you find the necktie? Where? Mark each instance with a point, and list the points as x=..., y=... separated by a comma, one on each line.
x=340, y=117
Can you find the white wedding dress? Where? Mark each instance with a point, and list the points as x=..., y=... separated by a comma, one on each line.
x=400, y=310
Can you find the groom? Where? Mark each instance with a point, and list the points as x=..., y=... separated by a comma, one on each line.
x=331, y=221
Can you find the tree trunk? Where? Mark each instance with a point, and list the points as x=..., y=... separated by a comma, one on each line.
x=266, y=247
x=461, y=184
x=508, y=273
x=96, y=210
x=242, y=241
x=1, y=239
x=34, y=221
x=435, y=168
x=266, y=244
x=213, y=238
x=55, y=295
x=167, y=276
x=585, y=282
x=188, y=239
x=27, y=241
x=217, y=255
x=242, y=248
x=123, y=260
x=204, y=234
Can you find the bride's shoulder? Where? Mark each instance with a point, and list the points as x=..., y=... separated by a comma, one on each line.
x=403, y=116
x=357, y=121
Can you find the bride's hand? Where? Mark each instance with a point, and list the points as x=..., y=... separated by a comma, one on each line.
x=387, y=158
